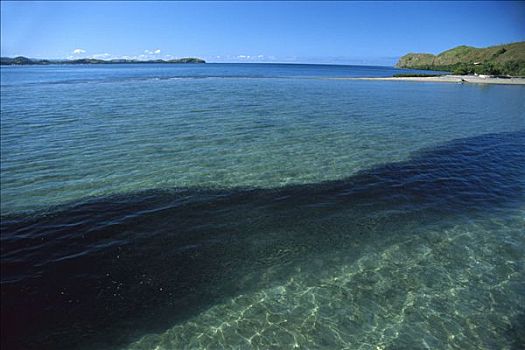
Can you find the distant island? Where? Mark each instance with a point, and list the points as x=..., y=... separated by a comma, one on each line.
x=21, y=60
x=508, y=59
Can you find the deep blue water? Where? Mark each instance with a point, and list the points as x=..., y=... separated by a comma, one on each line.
x=68, y=74
x=259, y=206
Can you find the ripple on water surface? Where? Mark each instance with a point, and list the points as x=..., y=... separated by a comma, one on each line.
x=456, y=287
x=237, y=213
x=61, y=144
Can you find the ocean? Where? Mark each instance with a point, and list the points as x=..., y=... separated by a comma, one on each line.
x=189, y=206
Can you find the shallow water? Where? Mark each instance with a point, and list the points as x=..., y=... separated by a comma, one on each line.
x=259, y=206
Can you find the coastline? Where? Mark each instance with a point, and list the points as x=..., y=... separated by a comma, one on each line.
x=471, y=79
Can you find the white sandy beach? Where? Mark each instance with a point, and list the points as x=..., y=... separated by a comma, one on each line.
x=472, y=79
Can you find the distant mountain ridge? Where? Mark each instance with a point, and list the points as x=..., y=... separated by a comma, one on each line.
x=507, y=59
x=21, y=60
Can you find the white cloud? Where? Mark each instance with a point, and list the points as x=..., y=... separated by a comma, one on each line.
x=102, y=56
x=147, y=55
x=251, y=57
x=152, y=52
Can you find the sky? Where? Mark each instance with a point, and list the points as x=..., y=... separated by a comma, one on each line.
x=296, y=32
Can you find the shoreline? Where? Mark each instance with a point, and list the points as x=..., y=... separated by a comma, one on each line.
x=458, y=79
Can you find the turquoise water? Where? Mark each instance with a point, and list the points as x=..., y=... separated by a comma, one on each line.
x=259, y=206
x=68, y=133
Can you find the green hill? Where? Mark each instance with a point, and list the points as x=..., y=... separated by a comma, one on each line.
x=508, y=59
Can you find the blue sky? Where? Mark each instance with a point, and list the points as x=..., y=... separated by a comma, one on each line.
x=307, y=32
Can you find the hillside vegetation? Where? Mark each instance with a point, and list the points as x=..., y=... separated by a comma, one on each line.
x=508, y=59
